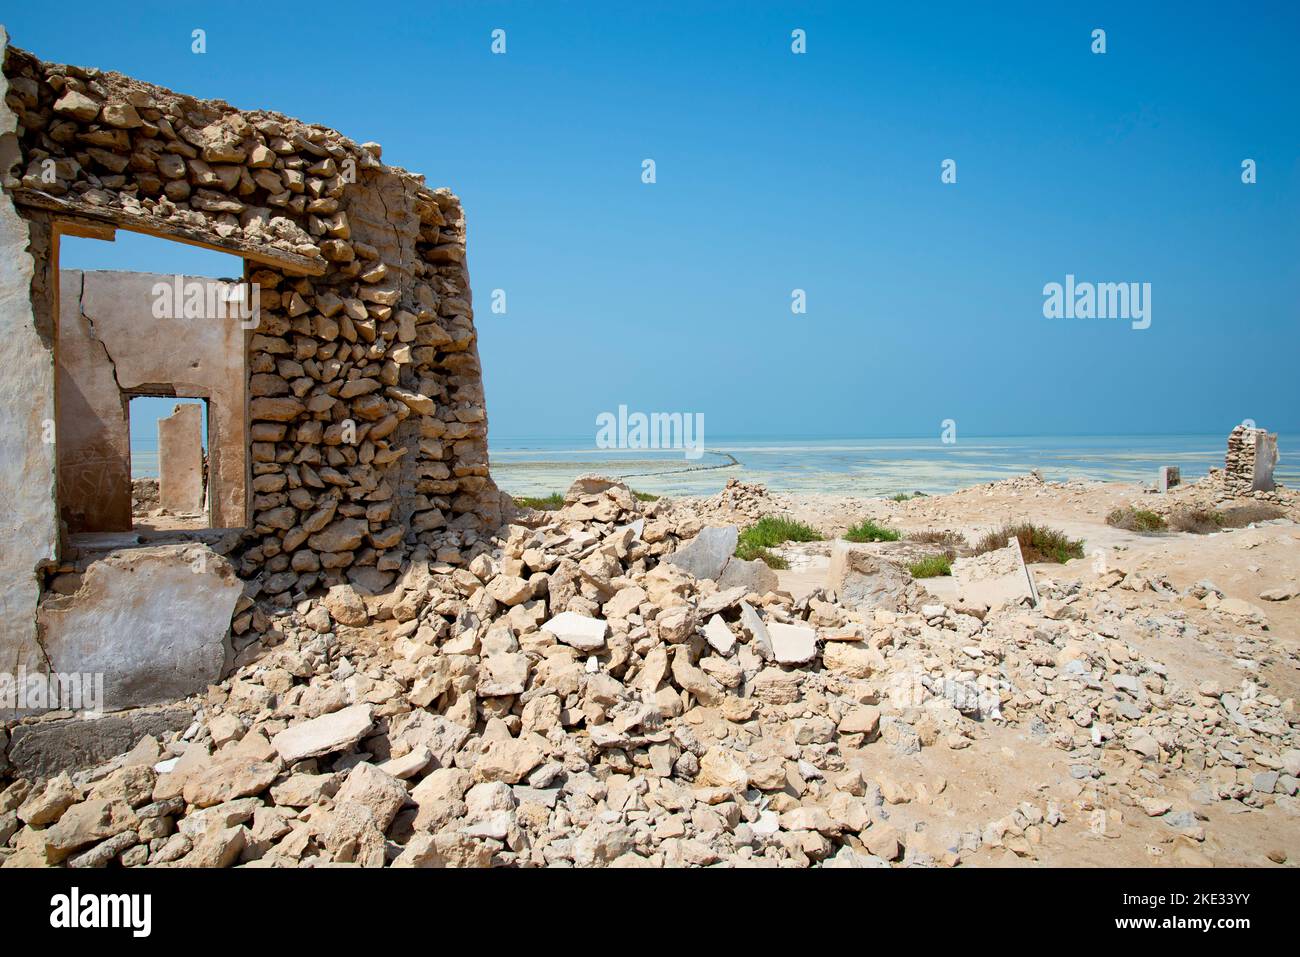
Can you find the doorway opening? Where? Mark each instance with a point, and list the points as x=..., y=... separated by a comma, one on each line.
x=170, y=477
x=151, y=388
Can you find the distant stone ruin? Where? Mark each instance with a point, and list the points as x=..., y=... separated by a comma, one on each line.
x=1252, y=456
x=347, y=425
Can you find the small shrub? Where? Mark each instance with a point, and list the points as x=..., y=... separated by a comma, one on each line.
x=906, y=496
x=749, y=552
x=1203, y=521
x=868, y=531
x=932, y=566
x=1198, y=521
x=645, y=496
x=769, y=531
x=548, y=504
x=1038, y=543
x=774, y=530
x=947, y=538
x=1136, y=520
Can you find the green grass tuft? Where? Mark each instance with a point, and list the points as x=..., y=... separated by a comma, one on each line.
x=774, y=530
x=932, y=566
x=768, y=532
x=645, y=496
x=868, y=531
x=747, y=551
x=1038, y=543
x=906, y=496
x=548, y=504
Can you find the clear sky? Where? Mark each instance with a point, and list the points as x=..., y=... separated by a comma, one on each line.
x=819, y=172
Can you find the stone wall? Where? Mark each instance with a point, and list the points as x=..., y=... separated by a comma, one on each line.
x=367, y=426
x=1252, y=456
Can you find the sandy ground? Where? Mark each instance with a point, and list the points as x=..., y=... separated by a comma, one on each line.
x=1007, y=766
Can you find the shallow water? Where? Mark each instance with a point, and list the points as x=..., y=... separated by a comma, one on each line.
x=869, y=466
x=848, y=466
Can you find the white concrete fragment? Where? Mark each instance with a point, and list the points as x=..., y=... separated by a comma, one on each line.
x=578, y=631
x=719, y=636
x=995, y=578
x=792, y=644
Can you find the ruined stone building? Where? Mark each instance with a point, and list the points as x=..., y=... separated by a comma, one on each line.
x=346, y=418
x=1251, y=459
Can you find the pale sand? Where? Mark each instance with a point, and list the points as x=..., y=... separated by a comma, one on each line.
x=1009, y=765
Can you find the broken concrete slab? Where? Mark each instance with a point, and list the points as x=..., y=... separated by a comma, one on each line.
x=760, y=642
x=792, y=644
x=719, y=636
x=153, y=621
x=324, y=735
x=180, y=459
x=721, y=600
x=705, y=555
x=864, y=579
x=995, y=578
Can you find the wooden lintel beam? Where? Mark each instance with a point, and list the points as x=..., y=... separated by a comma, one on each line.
x=76, y=219
x=86, y=229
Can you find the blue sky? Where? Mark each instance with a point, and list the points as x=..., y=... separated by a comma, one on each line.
x=818, y=171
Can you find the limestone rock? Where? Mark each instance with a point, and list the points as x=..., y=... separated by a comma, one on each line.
x=578, y=631
x=863, y=579
x=792, y=644
x=707, y=554
x=324, y=735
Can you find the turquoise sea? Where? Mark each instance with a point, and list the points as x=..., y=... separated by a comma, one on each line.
x=881, y=466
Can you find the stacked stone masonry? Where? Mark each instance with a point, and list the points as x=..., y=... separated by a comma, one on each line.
x=367, y=425
x=1252, y=455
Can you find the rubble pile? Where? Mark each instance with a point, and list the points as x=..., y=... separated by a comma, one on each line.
x=144, y=496
x=1217, y=490
x=738, y=502
x=568, y=697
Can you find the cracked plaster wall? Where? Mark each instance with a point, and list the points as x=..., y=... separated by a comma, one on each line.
x=111, y=345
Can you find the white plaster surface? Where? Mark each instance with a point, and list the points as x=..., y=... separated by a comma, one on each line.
x=154, y=621
x=28, y=523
